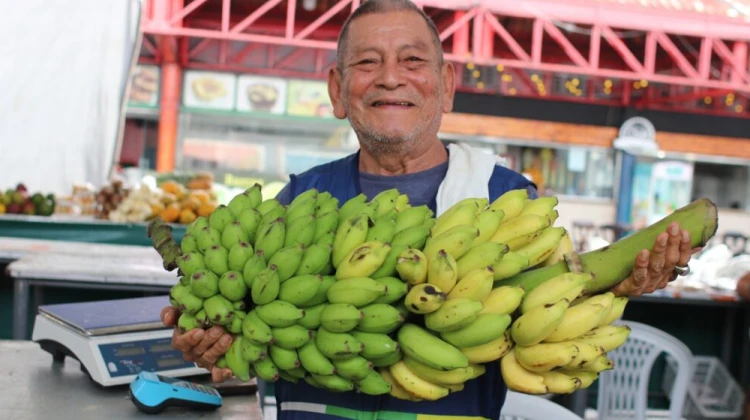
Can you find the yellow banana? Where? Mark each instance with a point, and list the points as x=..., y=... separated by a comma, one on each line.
x=363, y=260
x=598, y=365
x=397, y=391
x=564, y=247
x=437, y=376
x=412, y=266
x=541, y=206
x=480, y=256
x=386, y=201
x=511, y=203
x=503, y=300
x=489, y=352
x=511, y=264
x=560, y=383
x=402, y=203
x=415, y=385
x=521, y=226
x=587, y=352
x=488, y=222
x=424, y=298
x=455, y=241
x=608, y=337
x=586, y=378
x=542, y=246
x=519, y=379
x=461, y=215
x=544, y=357
x=605, y=299
x=442, y=271
x=577, y=321
x=476, y=285
x=537, y=324
x=568, y=286
x=351, y=233
x=618, y=308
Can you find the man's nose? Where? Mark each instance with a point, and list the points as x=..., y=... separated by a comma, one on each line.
x=391, y=75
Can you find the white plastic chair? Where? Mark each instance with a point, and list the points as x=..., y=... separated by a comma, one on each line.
x=520, y=406
x=623, y=390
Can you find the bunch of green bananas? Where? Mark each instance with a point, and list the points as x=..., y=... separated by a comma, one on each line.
x=382, y=297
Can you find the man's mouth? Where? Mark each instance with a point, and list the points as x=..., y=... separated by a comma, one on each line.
x=391, y=103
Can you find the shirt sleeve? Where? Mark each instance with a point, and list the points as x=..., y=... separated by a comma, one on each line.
x=285, y=195
x=533, y=194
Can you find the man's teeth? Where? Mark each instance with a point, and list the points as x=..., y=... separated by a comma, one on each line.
x=393, y=103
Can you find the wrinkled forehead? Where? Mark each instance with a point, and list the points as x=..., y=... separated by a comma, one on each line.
x=389, y=32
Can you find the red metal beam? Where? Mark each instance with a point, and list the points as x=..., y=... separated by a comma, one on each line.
x=245, y=23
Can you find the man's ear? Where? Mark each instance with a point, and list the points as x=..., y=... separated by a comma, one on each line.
x=449, y=86
x=335, y=79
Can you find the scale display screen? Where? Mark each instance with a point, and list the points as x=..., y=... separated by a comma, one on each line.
x=130, y=358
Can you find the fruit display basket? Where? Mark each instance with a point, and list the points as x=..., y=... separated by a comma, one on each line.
x=712, y=394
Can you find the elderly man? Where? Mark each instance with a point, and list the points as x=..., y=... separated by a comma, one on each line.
x=393, y=85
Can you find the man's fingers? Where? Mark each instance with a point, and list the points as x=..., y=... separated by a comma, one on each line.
x=169, y=315
x=218, y=349
x=186, y=342
x=212, y=335
x=219, y=375
x=658, y=255
x=686, y=250
x=674, y=243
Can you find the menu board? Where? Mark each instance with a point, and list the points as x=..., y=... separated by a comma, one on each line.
x=261, y=94
x=144, y=87
x=308, y=98
x=209, y=90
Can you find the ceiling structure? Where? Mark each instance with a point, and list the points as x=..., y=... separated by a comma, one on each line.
x=678, y=55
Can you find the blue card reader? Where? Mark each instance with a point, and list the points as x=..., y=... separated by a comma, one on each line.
x=153, y=393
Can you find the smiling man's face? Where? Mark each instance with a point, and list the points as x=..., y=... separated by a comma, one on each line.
x=392, y=85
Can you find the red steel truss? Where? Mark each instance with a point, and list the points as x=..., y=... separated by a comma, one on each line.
x=582, y=50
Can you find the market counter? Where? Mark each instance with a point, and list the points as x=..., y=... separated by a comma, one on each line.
x=35, y=387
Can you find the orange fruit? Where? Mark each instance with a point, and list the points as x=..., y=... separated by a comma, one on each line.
x=187, y=216
x=171, y=213
x=172, y=187
x=201, y=195
x=190, y=203
x=206, y=209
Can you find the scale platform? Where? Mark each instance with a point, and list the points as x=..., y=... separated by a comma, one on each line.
x=113, y=340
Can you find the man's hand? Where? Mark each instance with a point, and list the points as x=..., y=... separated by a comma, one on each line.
x=653, y=270
x=199, y=346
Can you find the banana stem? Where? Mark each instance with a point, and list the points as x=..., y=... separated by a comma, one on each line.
x=614, y=263
x=573, y=261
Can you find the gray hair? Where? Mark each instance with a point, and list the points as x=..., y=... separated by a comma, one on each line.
x=385, y=6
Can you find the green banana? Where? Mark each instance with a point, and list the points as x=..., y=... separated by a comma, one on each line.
x=271, y=240
x=412, y=237
x=250, y=221
x=266, y=286
x=287, y=260
x=254, y=329
x=301, y=231
x=424, y=347
x=511, y=264
x=373, y=384
x=395, y=289
x=300, y=289
x=455, y=241
x=488, y=222
x=238, y=256
x=235, y=362
x=321, y=295
x=352, y=206
x=283, y=358
x=337, y=346
x=291, y=337
x=252, y=351
x=388, y=268
x=386, y=201
x=325, y=223
x=334, y=383
x=279, y=313
x=413, y=216
x=387, y=360
x=355, y=368
x=313, y=360
x=311, y=320
x=382, y=230
x=380, y=318
x=340, y=317
x=314, y=259
x=266, y=370
x=358, y=291
x=254, y=265
x=412, y=266
x=232, y=286
x=376, y=346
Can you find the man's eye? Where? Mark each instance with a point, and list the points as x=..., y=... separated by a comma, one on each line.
x=366, y=61
x=414, y=59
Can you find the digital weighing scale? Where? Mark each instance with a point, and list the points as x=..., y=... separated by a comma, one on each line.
x=114, y=340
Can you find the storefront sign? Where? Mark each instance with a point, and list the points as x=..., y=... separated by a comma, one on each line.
x=637, y=136
x=144, y=87
x=209, y=90
x=309, y=99
x=261, y=94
